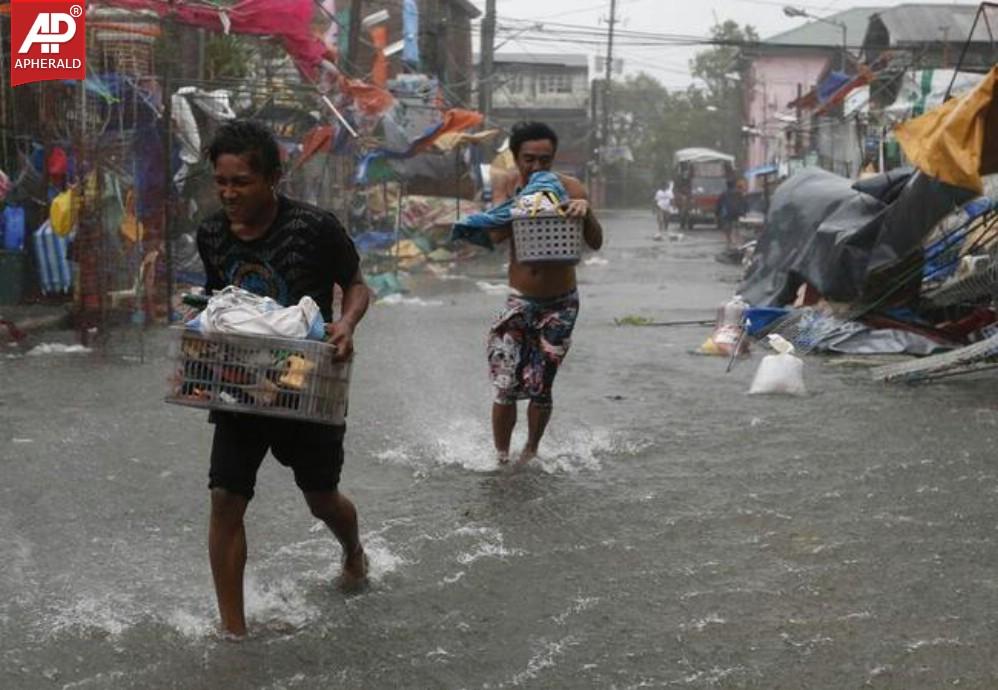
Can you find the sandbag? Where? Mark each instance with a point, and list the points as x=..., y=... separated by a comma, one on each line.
x=782, y=373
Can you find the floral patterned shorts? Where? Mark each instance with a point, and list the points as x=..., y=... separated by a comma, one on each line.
x=527, y=343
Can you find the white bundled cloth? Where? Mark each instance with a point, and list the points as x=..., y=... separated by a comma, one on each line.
x=529, y=205
x=779, y=373
x=234, y=310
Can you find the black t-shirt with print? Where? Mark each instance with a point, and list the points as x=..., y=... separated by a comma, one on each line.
x=304, y=252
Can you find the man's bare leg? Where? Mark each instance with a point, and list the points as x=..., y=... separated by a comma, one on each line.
x=503, y=421
x=340, y=515
x=538, y=417
x=227, y=554
x=729, y=241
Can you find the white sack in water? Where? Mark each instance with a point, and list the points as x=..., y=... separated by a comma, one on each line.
x=782, y=373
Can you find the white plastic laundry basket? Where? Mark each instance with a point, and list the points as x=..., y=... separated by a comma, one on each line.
x=548, y=237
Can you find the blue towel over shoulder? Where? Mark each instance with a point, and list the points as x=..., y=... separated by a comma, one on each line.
x=474, y=228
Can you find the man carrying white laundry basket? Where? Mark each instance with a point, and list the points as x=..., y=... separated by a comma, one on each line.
x=281, y=248
x=530, y=338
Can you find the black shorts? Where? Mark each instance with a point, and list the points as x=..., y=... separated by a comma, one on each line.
x=313, y=451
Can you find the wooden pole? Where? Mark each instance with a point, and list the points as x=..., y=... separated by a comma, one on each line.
x=398, y=226
x=168, y=222
x=353, y=39
x=487, y=66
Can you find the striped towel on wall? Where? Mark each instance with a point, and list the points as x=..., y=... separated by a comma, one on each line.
x=53, y=267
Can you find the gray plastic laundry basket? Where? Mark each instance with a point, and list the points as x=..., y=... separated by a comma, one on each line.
x=548, y=237
x=274, y=377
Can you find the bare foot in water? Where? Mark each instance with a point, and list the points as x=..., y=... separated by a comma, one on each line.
x=526, y=455
x=354, y=574
x=229, y=636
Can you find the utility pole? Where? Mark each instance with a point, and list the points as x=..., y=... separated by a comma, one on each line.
x=353, y=39
x=608, y=84
x=590, y=170
x=799, y=134
x=486, y=64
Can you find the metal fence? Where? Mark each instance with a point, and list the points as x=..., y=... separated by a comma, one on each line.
x=117, y=160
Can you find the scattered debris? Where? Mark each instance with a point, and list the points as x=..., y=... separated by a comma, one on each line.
x=57, y=349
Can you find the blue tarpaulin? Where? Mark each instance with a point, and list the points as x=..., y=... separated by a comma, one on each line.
x=474, y=228
x=942, y=257
x=832, y=83
x=373, y=240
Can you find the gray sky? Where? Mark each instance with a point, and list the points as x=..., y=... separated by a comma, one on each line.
x=686, y=17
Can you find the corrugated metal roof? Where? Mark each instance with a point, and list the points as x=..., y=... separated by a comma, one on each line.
x=566, y=59
x=923, y=23
x=827, y=35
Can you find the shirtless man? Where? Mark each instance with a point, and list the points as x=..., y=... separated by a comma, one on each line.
x=530, y=338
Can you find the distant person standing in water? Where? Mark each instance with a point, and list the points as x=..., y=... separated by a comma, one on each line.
x=277, y=247
x=730, y=208
x=530, y=338
x=663, y=208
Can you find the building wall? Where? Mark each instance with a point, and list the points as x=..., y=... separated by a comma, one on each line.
x=838, y=144
x=771, y=82
x=549, y=87
x=555, y=94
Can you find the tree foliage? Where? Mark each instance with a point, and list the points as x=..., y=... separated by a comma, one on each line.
x=713, y=66
x=718, y=68
x=227, y=57
x=654, y=122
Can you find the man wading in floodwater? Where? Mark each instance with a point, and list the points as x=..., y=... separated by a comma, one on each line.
x=531, y=337
x=281, y=248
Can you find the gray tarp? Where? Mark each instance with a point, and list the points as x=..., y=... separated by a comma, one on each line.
x=832, y=234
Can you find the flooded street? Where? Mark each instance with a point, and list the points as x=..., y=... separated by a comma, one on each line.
x=675, y=532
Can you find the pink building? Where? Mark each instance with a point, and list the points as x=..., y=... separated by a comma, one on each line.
x=779, y=69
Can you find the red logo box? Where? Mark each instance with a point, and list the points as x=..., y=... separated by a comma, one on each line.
x=48, y=40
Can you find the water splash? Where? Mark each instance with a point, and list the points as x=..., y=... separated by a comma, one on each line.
x=381, y=558
x=191, y=625
x=466, y=443
x=278, y=603
x=399, y=299
x=108, y=615
x=493, y=288
x=58, y=349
